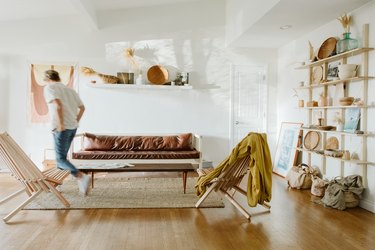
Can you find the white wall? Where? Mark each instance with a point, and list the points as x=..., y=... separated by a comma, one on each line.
x=241, y=14
x=198, y=47
x=4, y=73
x=288, y=78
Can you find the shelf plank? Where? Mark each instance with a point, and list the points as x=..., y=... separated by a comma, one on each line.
x=134, y=86
x=358, y=162
x=350, y=53
x=338, y=132
x=341, y=107
x=334, y=82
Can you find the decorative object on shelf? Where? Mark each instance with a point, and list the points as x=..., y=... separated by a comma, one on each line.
x=327, y=49
x=346, y=101
x=316, y=115
x=347, y=43
x=333, y=71
x=317, y=75
x=301, y=103
x=311, y=53
x=338, y=93
x=346, y=155
x=286, y=150
x=311, y=140
x=352, y=117
x=129, y=56
x=323, y=100
x=105, y=78
x=139, y=79
x=125, y=77
x=320, y=122
x=339, y=121
x=358, y=102
x=184, y=78
x=312, y=104
x=332, y=143
x=157, y=74
x=327, y=128
x=333, y=152
x=347, y=71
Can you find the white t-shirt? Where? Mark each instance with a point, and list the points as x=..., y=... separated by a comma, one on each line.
x=70, y=103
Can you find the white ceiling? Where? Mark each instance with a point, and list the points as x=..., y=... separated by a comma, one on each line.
x=30, y=9
x=303, y=15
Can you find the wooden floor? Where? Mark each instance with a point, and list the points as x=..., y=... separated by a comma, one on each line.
x=294, y=223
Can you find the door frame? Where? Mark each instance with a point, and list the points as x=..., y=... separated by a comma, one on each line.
x=265, y=82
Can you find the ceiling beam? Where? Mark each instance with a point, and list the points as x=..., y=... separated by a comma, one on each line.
x=87, y=11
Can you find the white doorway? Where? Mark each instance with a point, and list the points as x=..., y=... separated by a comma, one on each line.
x=249, y=97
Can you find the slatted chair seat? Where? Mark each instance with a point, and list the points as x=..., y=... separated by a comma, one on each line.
x=229, y=180
x=28, y=174
x=56, y=175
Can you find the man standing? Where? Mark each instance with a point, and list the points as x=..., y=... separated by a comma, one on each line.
x=66, y=110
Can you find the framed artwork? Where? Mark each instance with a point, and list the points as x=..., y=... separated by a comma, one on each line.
x=37, y=104
x=352, y=117
x=333, y=71
x=286, y=152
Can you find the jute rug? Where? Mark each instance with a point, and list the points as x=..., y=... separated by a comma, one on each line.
x=127, y=192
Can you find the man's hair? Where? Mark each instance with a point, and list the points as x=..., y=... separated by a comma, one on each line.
x=52, y=75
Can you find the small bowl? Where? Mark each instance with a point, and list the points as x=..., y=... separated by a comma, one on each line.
x=347, y=71
x=346, y=101
x=333, y=152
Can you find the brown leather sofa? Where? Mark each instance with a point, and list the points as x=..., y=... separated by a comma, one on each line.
x=182, y=148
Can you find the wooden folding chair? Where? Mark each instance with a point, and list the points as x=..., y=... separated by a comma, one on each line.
x=25, y=171
x=229, y=180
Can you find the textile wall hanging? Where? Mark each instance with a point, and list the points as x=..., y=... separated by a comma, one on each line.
x=38, y=106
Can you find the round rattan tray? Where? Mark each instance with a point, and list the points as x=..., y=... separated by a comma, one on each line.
x=327, y=48
x=311, y=140
x=332, y=143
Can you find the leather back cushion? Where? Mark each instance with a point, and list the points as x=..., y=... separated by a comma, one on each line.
x=93, y=142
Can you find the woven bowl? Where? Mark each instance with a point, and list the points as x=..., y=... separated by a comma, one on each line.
x=327, y=48
x=346, y=101
x=157, y=74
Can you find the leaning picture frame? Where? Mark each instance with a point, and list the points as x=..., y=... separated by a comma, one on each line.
x=286, y=149
x=352, y=119
x=333, y=71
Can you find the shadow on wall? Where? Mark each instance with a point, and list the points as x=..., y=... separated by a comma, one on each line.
x=177, y=55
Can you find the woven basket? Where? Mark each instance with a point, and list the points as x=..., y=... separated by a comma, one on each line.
x=327, y=48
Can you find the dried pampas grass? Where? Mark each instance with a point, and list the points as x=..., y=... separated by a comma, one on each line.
x=345, y=21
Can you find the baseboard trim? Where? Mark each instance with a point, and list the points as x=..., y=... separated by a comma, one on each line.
x=368, y=205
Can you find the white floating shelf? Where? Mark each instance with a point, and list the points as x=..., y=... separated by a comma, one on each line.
x=134, y=86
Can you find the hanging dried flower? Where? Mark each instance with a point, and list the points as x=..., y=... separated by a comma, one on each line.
x=345, y=21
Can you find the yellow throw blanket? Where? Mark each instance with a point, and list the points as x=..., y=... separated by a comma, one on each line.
x=259, y=186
